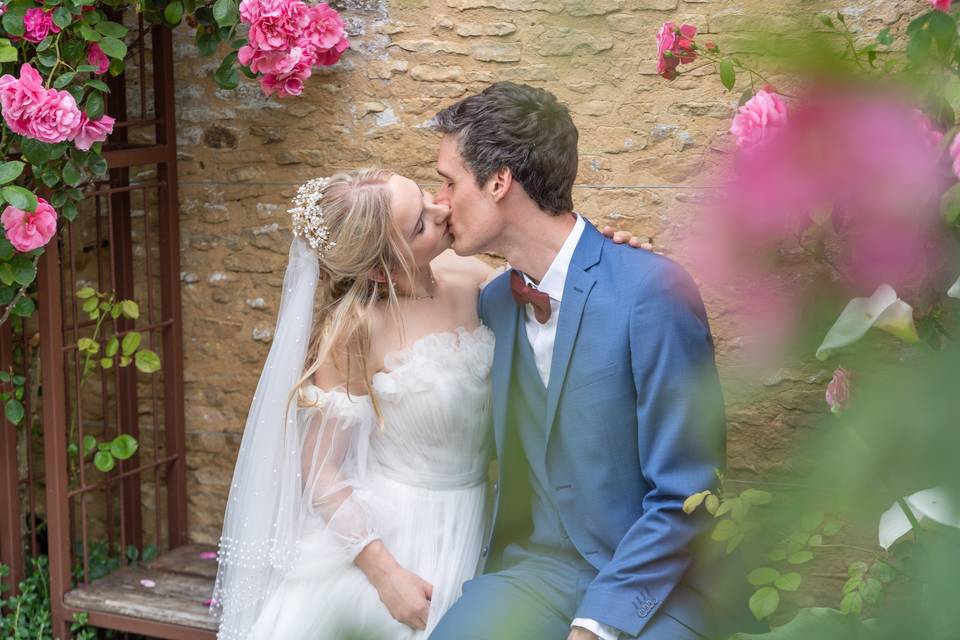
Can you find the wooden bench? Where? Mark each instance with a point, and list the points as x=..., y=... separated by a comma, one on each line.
x=175, y=607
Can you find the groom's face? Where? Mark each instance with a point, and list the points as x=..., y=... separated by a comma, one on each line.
x=475, y=218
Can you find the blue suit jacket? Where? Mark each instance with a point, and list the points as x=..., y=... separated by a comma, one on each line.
x=635, y=424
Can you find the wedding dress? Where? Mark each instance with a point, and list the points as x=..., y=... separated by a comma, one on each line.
x=417, y=483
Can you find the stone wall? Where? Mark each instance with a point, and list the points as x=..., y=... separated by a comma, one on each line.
x=645, y=143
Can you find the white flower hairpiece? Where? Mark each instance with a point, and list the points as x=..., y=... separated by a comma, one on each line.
x=307, y=214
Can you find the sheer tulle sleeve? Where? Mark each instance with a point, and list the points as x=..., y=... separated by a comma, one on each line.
x=335, y=442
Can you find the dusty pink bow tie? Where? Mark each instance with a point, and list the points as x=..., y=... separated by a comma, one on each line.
x=525, y=294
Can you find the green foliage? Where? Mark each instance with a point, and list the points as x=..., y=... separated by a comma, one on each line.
x=26, y=616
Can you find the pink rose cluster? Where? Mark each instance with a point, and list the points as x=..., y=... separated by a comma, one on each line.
x=29, y=230
x=47, y=115
x=287, y=39
x=38, y=24
x=758, y=119
x=674, y=47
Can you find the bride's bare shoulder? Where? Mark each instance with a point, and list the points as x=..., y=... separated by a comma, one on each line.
x=472, y=272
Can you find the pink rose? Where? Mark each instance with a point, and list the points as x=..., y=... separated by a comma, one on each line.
x=273, y=62
x=98, y=58
x=19, y=98
x=326, y=29
x=838, y=390
x=27, y=230
x=941, y=5
x=91, y=131
x=331, y=56
x=278, y=24
x=955, y=155
x=287, y=84
x=674, y=46
x=3, y=8
x=57, y=118
x=758, y=119
x=38, y=24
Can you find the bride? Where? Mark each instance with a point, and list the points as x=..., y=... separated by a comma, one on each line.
x=358, y=502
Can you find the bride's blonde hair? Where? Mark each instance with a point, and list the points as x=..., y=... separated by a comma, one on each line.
x=363, y=241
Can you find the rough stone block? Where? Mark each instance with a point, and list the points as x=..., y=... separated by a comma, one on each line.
x=563, y=41
x=506, y=52
x=549, y=6
x=437, y=73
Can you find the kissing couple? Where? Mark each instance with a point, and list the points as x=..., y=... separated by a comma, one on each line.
x=360, y=506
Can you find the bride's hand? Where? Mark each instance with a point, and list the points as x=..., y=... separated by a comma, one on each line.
x=405, y=594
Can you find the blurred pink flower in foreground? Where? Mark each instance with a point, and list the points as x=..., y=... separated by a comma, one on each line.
x=941, y=5
x=758, y=119
x=955, y=155
x=850, y=177
x=838, y=390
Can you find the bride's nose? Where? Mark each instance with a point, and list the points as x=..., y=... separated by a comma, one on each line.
x=441, y=213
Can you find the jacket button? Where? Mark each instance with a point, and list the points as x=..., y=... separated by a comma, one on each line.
x=483, y=552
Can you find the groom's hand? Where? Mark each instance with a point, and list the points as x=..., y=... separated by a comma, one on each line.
x=579, y=633
x=625, y=237
x=405, y=594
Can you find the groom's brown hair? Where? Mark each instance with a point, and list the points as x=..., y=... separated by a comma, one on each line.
x=520, y=127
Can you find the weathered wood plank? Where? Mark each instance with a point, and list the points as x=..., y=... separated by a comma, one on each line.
x=182, y=582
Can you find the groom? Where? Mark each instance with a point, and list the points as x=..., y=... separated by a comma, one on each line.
x=607, y=409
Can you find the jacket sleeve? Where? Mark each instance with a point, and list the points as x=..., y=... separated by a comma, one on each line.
x=680, y=436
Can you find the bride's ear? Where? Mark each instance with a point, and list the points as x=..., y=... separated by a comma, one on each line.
x=377, y=274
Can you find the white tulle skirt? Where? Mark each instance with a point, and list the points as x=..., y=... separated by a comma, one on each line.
x=433, y=530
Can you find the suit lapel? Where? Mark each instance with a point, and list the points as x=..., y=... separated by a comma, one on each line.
x=503, y=368
x=576, y=289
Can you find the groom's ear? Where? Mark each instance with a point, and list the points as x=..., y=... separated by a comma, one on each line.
x=500, y=183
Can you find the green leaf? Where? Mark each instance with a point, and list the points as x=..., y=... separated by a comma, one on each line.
x=815, y=540
x=35, y=151
x=25, y=307
x=123, y=446
x=226, y=74
x=19, y=197
x=69, y=211
x=124, y=361
x=810, y=521
x=64, y=79
x=883, y=572
x=13, y=24
x=800, y=557
x=114, y=48
x=87, y=345
x=112, y=29
x=10, y=171
x=24, y=271
x=884, y=37
x=8, y=54
x=943, y=28
x=89, y=444
x=764, y=602
x=173, y=13
x=131, y=309
x=6, y=274
x=763, y=575
x=130, y=343
x=86, y=292
x=99, y=85
x=728, y=75
x=692, y=502
x=871, y=590
x=14, y=411
x=72, y=174
x=832, y=528
x=89, y=34
x=950, y=204
x=113, y=345
x=94, y=105
x=826, y=20
x=147, y=361
x=857, y=569
x=225, y=13
x=788, y=581
x=727, y=505
x=852, y=603
x=724, y=530
x=734, y=543
x=104, y=461
x=776, y=555
x=50, y=176
x=6, y=249
x=756, y=496
x=62, y=17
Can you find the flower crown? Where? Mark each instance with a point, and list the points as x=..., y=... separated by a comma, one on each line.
x=308, y=221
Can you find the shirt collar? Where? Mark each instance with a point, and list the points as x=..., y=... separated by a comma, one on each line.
x=556, y=275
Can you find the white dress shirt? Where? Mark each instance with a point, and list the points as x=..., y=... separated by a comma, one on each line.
x=542, y=337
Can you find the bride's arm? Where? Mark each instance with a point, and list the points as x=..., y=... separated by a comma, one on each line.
x=330, y=463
